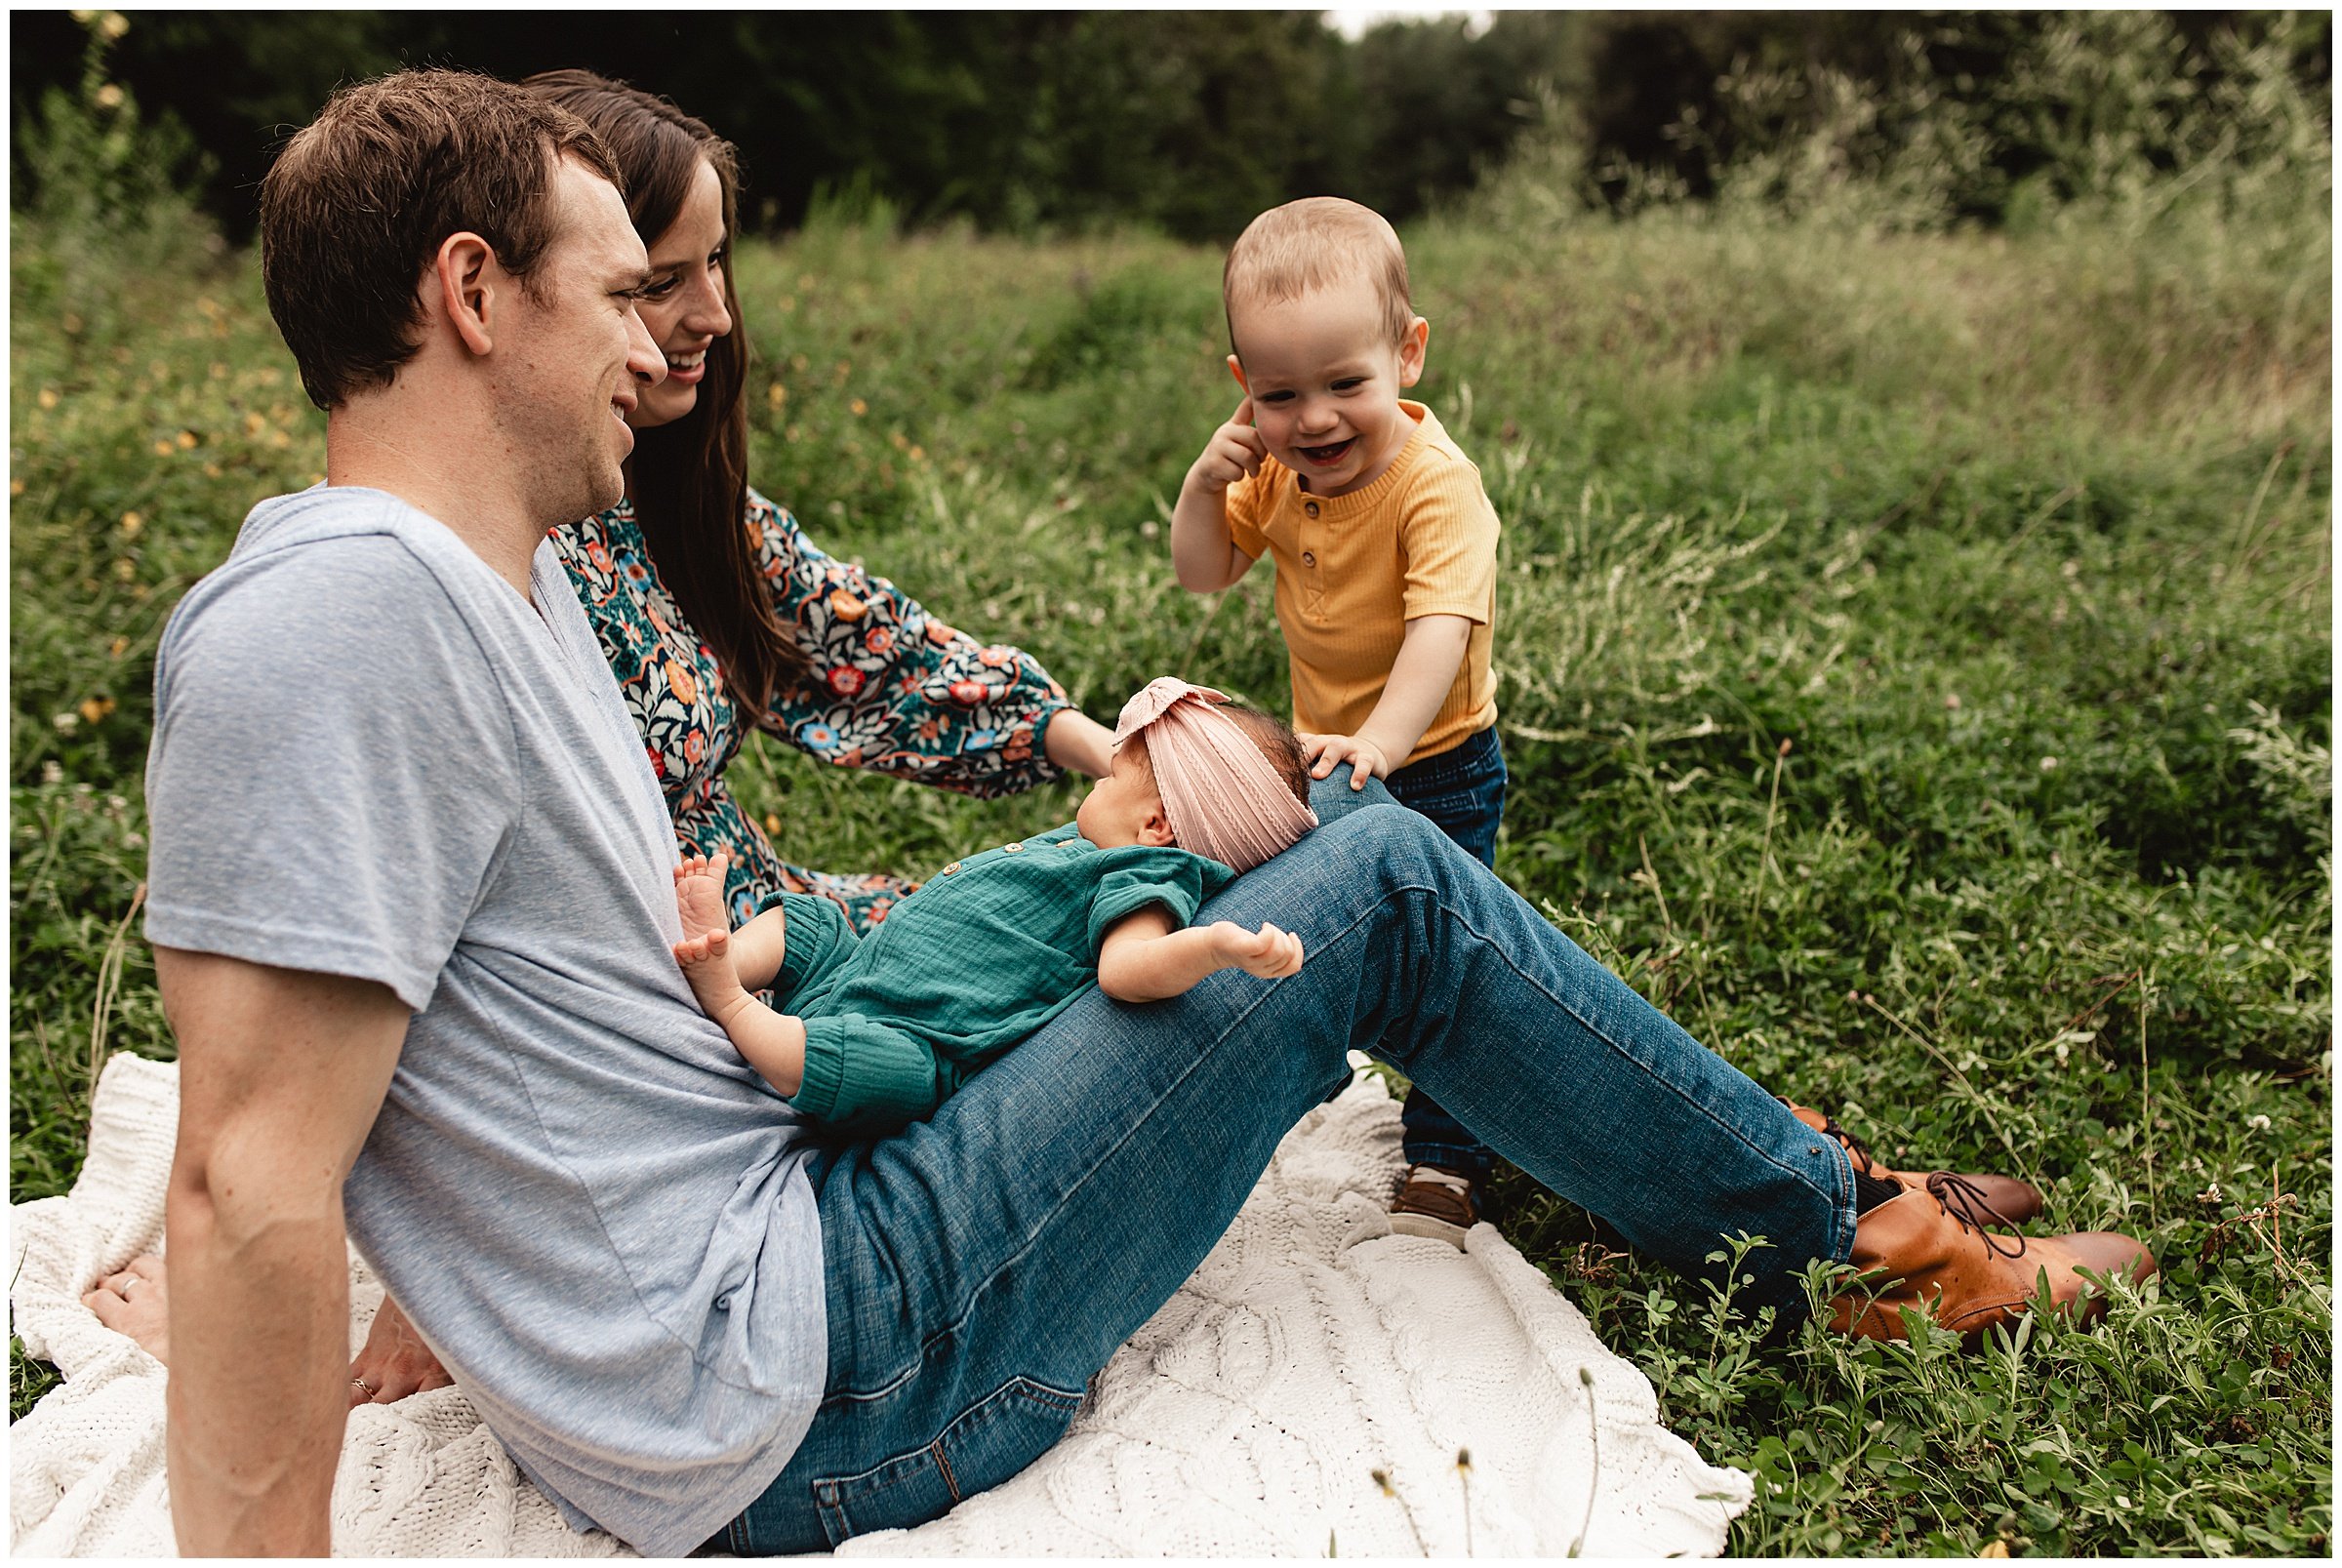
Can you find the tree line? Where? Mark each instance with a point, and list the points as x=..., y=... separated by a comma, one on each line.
x=1180, y=121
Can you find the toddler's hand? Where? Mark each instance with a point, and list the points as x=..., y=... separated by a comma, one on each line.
x=1367, y=759
x=1233, y=453
x=1268, y=952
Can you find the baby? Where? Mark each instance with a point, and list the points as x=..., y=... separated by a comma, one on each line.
x=880, y=1031
x=1386, y=561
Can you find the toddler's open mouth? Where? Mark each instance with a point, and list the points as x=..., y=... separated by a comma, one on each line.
x=1327, y=456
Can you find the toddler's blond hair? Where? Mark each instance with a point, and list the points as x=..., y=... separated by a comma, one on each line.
x=1301, y=247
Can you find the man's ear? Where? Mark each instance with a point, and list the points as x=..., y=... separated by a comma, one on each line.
x=1235, y=368
x=1411, y=351
x=1157, y=828
x=464, y=273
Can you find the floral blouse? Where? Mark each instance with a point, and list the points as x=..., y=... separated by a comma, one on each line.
x=892, y=689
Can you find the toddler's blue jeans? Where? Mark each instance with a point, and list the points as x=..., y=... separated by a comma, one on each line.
x=982, y=1264
x=1461, y=790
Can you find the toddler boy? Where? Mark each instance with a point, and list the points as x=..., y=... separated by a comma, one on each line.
x=1386, y=561
x=882, y=1029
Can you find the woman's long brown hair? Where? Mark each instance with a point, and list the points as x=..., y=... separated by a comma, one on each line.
x=690, y=478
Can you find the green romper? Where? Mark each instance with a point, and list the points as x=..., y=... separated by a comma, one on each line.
x=988, y=951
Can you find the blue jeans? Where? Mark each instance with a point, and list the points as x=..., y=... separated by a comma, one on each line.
x=1461, y=790
x=982, y=1264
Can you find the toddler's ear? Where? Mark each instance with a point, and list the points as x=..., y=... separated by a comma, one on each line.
x=1157, y=828
x=1412, y=351
x=1235, y=368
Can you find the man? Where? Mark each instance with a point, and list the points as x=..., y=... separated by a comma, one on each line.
x=411, y=910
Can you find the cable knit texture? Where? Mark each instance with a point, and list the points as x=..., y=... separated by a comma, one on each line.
x=1247, y=1417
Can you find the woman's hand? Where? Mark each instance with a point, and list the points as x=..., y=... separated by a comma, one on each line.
x=395, y=1361
x=136, y=1301
x=1078, y=741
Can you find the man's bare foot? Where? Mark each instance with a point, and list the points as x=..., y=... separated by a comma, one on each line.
x=136, y=1303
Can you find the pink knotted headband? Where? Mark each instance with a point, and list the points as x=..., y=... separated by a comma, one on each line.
x=1224, y=799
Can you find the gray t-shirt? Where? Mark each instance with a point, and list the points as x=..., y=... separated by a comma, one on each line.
x=373, y=758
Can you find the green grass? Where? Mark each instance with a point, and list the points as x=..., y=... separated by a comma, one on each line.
x=1915, y=670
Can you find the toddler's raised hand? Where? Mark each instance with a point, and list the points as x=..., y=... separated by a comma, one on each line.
x=1234, y=452
x=1367, y=759
x=1268, y=952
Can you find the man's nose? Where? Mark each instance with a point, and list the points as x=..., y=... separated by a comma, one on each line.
x=643, y=358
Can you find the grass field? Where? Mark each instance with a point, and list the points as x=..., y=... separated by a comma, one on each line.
x=1915, y=670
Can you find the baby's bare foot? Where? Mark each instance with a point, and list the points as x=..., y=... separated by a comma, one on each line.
x=699, y=896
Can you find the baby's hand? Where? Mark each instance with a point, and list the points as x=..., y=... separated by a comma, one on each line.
x=1233, y=453
x=1367, y=759
x=1268, y=952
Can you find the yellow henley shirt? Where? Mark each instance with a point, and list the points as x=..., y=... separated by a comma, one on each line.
x=1353, y=570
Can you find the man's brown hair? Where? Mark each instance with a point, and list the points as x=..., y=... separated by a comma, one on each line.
x=1297, y=248
x=360, y=199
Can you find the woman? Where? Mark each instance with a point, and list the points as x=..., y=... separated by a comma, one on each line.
x=713, y=628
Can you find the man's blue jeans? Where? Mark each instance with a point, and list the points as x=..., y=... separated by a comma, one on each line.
x=984, y=1264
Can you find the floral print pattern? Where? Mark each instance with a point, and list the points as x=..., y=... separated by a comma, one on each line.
x=893, y=690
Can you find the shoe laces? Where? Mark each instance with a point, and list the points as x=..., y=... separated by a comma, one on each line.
x=1964, y=1200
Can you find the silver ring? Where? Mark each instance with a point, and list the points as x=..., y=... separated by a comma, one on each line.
x=362, y=1384
x=129, y=1280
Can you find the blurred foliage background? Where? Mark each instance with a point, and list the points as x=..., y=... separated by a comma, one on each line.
x=1190, y=122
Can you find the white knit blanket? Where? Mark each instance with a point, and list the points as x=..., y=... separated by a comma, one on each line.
x=1310, y=1353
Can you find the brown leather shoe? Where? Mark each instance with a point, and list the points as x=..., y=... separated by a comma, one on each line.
x=2003, y=1199
x=1435, y=1203
x=1926, y=1249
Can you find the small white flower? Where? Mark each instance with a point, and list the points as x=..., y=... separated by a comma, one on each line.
x=2259, y=1124
x=52, y=772
x=66, y=723
x=2049, y=764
